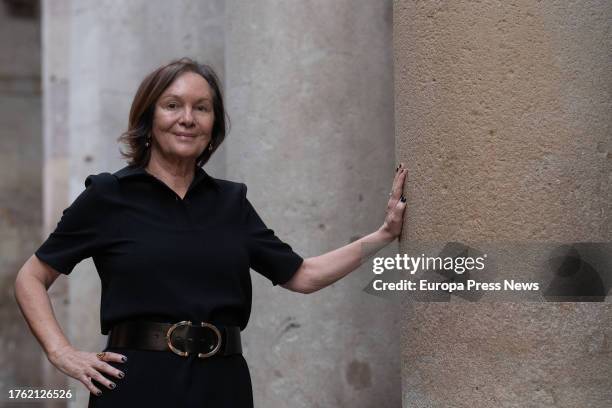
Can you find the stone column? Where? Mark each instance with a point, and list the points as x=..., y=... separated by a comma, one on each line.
x=503, y=116
x=309, y=88
x=56, y=153
x=112, y=46
x=20, y=181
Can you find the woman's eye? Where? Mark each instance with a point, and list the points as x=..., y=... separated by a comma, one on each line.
x=203, y=108
x=172, y=105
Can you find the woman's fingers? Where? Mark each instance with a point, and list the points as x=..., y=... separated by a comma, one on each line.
x=87, y=367
x=104, y=367
x=396, y=213
x=86, y=380
x=398, y=186
x=96, y=375
x=398, y=182
x=100, y=366
x=398, y=172
x=115, y=357
x=109, y=369
x=395, y=217
x=396, y=205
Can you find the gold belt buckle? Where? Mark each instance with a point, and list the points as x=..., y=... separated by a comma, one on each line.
x=186, y=353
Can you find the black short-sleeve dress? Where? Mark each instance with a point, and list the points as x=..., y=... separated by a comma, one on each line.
x=168, y=259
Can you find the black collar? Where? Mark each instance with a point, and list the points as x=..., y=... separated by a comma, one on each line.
x=133, y=171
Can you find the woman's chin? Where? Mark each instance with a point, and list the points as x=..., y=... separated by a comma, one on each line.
x=185, y=153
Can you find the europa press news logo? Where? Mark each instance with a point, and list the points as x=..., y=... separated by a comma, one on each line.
x=576, y=272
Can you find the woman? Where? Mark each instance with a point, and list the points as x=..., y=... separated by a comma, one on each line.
x=173, y=248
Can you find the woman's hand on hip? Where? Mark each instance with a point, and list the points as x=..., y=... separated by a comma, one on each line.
x=86, y=366
x=396, y=205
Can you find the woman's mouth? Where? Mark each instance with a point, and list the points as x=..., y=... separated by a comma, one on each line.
x=185, y=135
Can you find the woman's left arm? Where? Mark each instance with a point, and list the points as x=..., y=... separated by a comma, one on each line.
x=320, y=271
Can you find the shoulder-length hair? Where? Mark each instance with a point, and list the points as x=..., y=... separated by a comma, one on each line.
x=143, y=108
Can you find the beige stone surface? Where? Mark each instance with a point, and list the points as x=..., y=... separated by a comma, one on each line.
x=503, y=116
x=310, y=95
x=20, y=188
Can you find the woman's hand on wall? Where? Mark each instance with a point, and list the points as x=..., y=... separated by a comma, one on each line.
x=320, y=271
x=394, y=219
x=85, y=366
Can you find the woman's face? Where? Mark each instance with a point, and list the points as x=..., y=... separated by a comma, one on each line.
x=184, y=118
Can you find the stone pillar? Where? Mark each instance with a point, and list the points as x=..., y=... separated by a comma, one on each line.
x=309, y=88
x=112, y=46
x=20, y=181
x=55, y=153
x=503, y=117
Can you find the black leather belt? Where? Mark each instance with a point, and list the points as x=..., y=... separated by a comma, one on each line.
x=181, y=338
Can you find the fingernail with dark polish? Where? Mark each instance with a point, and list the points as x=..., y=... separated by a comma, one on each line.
x=121, y=375
x=124, y=359
x=99, y=393
x=112, y=386
x=397, y=168
x=403, y=199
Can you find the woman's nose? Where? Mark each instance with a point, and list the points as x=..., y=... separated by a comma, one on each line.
x=187, y=117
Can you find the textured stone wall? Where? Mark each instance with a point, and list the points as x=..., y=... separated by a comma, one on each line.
x=56, y=153
x=503, y=116
x=20, y=183
x=310, y=93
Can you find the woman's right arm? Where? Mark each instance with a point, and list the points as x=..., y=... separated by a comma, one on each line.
x=31, y=285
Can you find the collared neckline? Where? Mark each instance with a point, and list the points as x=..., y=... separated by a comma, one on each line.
x=134, y=170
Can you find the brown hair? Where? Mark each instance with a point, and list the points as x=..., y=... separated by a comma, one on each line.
x=143, y=109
